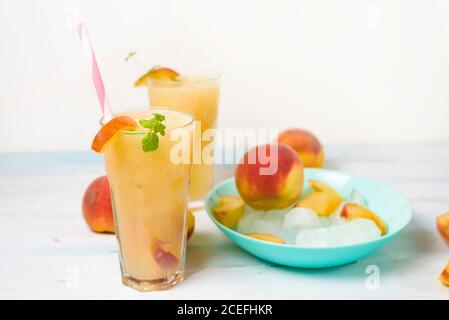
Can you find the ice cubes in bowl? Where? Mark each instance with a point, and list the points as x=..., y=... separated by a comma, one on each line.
x=303, y=227
x=301, y=218
x=353, y=232
x=247, y=221
x=317, y=237
x=262, y=226
x=383, y=199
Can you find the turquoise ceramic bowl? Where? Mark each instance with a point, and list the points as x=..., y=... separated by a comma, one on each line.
x=390, y=205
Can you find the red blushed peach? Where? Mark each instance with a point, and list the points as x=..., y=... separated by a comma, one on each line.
x=270, y=177
x=306, y=145
x=97, y=208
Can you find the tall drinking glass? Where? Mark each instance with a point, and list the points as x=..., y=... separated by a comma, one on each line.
x=150, y=197
x=197, y=95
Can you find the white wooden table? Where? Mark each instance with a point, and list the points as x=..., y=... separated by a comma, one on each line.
x=46, y=250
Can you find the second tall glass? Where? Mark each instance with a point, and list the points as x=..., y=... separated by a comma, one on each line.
x=197, y=95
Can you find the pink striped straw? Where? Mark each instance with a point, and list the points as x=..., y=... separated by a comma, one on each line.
x=89, y=54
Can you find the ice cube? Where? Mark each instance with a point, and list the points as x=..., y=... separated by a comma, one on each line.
x=317, y=237
x=345, y=234
x=301, y=218
x=325, y=222
x=356, y=197
x=356, y=231
x=353, y=232
x=335, y=218
x=275, y=217
x=247, y=220
x=289, y=235
x=262, y=226
x=368, y=228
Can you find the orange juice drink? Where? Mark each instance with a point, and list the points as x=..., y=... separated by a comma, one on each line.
x=150, y=197
x=199, y=97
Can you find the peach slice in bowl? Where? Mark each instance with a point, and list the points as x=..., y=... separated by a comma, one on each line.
x=390, y=207
x=324, y=200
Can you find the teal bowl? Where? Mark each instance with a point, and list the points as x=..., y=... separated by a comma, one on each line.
x=389, y=204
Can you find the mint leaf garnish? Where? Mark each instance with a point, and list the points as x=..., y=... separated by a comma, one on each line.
x=150, y=141
x=130, y=55
x=159, y=117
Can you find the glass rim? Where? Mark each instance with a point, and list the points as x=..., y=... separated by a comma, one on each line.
x=189, y=118
x=208, y=76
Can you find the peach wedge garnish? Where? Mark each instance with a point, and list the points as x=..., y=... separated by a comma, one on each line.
x=353, y=211
x=266, y=237
x=324, y=200
x=444, y=276
x=443, y=226
x=229, y=210
x=156, y=73
x=110, y=129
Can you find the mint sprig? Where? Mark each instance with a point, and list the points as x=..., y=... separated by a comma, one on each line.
x=150, y=141
x=130, y=55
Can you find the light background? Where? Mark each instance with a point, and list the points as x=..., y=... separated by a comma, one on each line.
x=353, y=72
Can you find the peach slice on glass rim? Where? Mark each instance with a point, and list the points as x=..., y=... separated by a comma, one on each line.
x=443, y=226
x=156, y=73
x=353, y=211
x=110, y=129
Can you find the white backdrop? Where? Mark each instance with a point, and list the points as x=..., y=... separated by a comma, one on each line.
x=353, y=72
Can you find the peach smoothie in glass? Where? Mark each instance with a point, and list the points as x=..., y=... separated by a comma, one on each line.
x=149, y=186
x=197, y=95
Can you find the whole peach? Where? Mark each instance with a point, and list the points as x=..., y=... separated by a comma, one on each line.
x=306, y=144
x=97, y=207
x=270, y=177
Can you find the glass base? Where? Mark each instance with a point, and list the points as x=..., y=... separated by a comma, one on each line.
x=152, y=285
